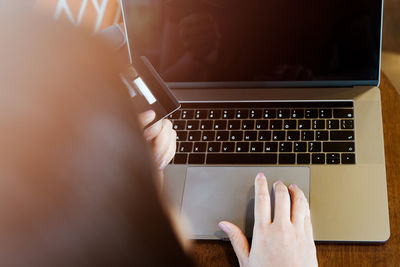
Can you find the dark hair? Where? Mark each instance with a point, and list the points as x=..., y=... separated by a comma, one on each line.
x=77, y=186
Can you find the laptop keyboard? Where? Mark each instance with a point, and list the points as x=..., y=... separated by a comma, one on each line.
x=293, y=133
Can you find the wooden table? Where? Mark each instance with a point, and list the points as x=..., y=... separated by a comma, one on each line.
x=218, y=253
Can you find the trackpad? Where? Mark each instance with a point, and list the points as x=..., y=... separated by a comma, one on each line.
x=213, y=194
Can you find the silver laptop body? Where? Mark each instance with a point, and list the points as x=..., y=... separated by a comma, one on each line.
x=348, y=202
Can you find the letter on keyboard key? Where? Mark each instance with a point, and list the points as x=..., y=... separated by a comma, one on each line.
x=304, y=124
x=214, y=147
x=220, y=125
x=261, y=125
x=206, y=125
x=242, y=147
x=264, y=135
x=339, y=147
x=236, y=158
x=236, y=136
x=192, y=125
x=199, y=147
x=181, y=135
x=179, y=125
x=185, y=147
x=271, y=147
x=194, y=136
x=250, y=135
x=222, y=136
x=208, y=136
x=256, y=147
x=197, y=158
x=228, y=146
x=278, y=135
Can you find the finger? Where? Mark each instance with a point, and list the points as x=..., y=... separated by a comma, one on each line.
x=146, y=117
x=153, y=131
x=298, y=205
x=307, y=223
x=282, y=203
x=238, y=240
x=262, y=206
x=168, y=154
x=163, y=139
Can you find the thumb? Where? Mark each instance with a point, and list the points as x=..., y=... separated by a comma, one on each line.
x=238, y=240
x=146, y=117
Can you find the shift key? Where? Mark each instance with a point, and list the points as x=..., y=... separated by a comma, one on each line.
x=339, y=147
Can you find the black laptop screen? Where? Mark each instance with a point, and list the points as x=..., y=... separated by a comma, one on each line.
x=221, y=42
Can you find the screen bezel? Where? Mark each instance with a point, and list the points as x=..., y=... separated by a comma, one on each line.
x=266, y=84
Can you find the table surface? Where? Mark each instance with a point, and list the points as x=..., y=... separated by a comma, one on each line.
x=218, y=253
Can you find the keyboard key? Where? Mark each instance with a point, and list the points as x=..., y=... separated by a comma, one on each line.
x=175, y=115
x=233, y=125
x=321, y=135
x=269, y=113
x=289, y=124
x=206, y=125
x=303, y=158
x=283, y=113
x=264, y=135
x=236, y=136
x=181, y=135
x=208, y=136
x=187, y=114
x=228, y=114
x=214, y=147
x=197, y=158
x=220, y=125
x=307, y=135
x=248, y=125
x=235, y=158
x=194, y=136
x=285, y=146
x=289, y=158
x=250, y=135
x=242, y=114
x=314, y=146
x=242, y=147
x=348, y=158
x=333, y=158
x=222, y=136
x=199, y=147
x=347, y=124
x=297, y=114
x=261, y=124
x=271, y=147
x=311, y=113
x=214, y=114
x=293, y=135
x=228, y=147
x=318, y=158
x=318, y=124
x=180, y=158
x=325, y=113
x=300, y=146
x=201, y=114
x=185, y=147
x=342, y=135
x=343, y=113
x=332, y=124
x=192, y=125
x=256, y=147
x=255, y=113
x=304, y=124
x=179, y=125
x=338, y=147
x=275, y=124
x=278, y=135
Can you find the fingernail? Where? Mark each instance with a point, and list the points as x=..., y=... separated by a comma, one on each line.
x=277, y=182
x=223, y=227
x=163, y=165
x=260, y=175
x=149, y=113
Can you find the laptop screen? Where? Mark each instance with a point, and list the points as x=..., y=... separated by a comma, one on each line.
x=220, y=43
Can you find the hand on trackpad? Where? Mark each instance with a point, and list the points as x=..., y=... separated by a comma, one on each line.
x=213, y=194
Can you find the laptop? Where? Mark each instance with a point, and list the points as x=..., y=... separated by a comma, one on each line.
x=288, y=88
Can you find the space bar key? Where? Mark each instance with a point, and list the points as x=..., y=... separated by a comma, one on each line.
x=236, y=158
